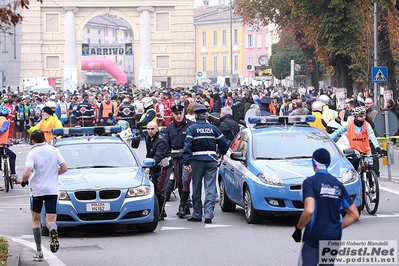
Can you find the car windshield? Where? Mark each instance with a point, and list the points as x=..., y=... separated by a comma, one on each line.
x=102, y=155
x=291, y=145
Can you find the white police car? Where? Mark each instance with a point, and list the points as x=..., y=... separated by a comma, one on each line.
x=105, y=182
x=266, y=164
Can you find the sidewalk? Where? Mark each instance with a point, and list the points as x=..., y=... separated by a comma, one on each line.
x=22, y=255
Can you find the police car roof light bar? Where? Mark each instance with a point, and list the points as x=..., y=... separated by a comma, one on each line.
x=80, y=131
x=281, y=120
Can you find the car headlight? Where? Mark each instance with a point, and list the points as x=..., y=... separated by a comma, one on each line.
x=138, y=191
x=63, y=195
x=271, y=179
x=349, y=176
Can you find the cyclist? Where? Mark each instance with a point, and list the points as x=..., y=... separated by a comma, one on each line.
x=4, y=129
x=359, y=133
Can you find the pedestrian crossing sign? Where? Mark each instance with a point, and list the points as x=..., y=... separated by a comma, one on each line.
x=379, y=74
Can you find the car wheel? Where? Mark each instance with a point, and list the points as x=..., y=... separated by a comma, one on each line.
x=225, y=204
x=170, y=187
x=250, y=214
x=45, y=231
x=153, y=225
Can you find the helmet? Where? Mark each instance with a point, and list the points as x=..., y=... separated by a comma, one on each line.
x=317, y=106
x=51, y=104
x=359, y=110
x=147, y=102
x=4, y=111
x=324, y=98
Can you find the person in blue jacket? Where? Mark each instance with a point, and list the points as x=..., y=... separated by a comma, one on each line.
x=200, y=157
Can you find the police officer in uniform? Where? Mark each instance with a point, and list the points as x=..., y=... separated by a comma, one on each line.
x=175, y=135
x=85, y=112
x=157, y=148
x=264, y=106
x=200, y=157
x=127, y=112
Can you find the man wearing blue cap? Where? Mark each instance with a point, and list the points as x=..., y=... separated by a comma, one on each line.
x=203, y=141
x=323, y=196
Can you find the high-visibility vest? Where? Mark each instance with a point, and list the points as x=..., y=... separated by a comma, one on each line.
x=145, y=114
x=359, y=142
x=46, y=126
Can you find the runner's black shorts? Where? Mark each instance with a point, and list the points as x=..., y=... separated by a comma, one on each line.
x=50, y=202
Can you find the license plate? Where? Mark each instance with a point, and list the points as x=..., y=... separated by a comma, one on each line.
x=98, y=207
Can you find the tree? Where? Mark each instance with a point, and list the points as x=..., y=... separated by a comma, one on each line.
x=10, y=16
x=282, y=54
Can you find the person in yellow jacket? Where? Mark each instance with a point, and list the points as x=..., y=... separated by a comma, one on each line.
x=317, y=111
x=47, y=123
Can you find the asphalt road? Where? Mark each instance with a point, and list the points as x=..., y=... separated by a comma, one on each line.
x=229, y=240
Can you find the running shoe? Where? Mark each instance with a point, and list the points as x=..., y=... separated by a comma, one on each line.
x=38, y=256
x=54, y=244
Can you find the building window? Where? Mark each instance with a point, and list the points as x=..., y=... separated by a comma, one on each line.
x=88, y=30
x=224, y=64
x=106, y=32
x=203, y=63
x=163, y=61
x=52, y=22
x=99, y=32
x=215, y=65
x=88, y=40
x=215, y=37
x=162, y=20
x=251, y=63
x=204, y=38
x=250, y=27
x=99, y=41
x=224, y=37
x=52, y=62
x=235, y=62
x=235, y=36
x=113, y=33
x=259, y=41
x=249, y=41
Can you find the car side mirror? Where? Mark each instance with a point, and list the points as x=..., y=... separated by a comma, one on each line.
x=135, y=142
x=148, y=163
x=349, y=152
x=237, y=156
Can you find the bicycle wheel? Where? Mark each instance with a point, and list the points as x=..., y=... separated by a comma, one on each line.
x=6, y=176
x=372, y=193
x=363, y=178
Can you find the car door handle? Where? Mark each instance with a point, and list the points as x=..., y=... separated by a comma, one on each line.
x=224, y=163
x=232, y=169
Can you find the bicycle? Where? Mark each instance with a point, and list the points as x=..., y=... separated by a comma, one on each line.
x=370, y=184
x=8, y=182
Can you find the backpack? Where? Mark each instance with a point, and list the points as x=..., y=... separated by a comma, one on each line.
x=238, y=112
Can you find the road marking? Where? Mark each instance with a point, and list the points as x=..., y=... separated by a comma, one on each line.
x=394, y=215
x=217, y=225
x=48, y=256
x=169, y=228
x=390, y=190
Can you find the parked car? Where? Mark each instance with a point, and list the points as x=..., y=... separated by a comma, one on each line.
x=105, y=182
x=266, y=164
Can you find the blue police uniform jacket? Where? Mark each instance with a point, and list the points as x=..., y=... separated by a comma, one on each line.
x=176, y=135
x=200, y=143
x=157, y=148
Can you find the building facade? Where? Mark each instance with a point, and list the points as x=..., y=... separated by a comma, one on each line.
x=163, y=39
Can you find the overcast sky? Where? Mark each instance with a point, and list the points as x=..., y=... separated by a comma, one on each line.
x=198, y=3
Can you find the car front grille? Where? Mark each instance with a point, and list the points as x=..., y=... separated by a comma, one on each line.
x=298, y=204
x=91, y=194
x=296, y=187
x=110, y=194
x=85, y=195
x=98, y=216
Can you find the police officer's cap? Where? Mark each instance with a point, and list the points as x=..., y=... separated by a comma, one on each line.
x=200, y=109
x=265, y=100
x=177, y=108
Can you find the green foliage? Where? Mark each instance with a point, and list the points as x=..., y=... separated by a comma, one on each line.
x=282, y=54
x=3, y=251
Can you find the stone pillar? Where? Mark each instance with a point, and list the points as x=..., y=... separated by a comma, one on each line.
x=145, y=35
x=70, y=35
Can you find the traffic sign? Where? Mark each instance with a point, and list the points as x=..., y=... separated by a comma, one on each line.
x=379, y=74
x=199, y=74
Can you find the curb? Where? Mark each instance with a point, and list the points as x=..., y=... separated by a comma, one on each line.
x=13, y=251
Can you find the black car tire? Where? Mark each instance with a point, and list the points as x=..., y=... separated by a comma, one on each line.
x=225, y=204
x=250, y=213
x=45, y=231
x=153, y=225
